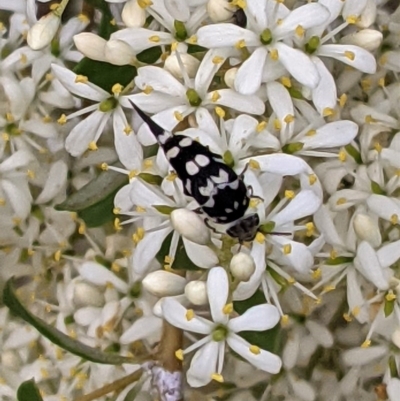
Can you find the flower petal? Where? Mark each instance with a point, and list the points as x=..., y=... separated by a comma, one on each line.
x=256, y=318
x=203, y=365
x=218, y=290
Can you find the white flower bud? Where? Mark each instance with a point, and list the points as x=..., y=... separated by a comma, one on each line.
x=368, y=39
x=191, y=226
x=230, y=77
x=368, y=16
x=43, y=32
x=90, y=45
x=133, y=15
x=11, y=360
x=242, y=266
x=118, y=52
x=219, y=10
x=87, y=295
x=396, y=337
x=196, y=292
x=191, y=65
x=163, y=284
x=367, y=229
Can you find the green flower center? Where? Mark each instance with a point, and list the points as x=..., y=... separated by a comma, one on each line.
x=193, y=98
x=266, y=36
x=108, y=104
x=228, y=159
x=180, y=31
x=220, y=333
x=312, y=44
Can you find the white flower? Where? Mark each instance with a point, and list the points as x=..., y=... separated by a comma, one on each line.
x=207, y=363
x=171, y=100
x=270, y=27
x=108, y=106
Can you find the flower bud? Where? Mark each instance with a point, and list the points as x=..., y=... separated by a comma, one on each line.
x=118, y=52
x=219, y=10
x=87, y=295
x=133, y=15
x=190, y=63
x=196, y=292
x=368, y=39
x=90, y=45
x=190, y=225
x=368, y=16
x=367, y=229
x=163, y=284
x=242, y=266
x=43, y=32
x=396, y=337
x=230, y=77
x=10, y=360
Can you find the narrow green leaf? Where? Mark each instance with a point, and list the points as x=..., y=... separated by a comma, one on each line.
x=181, y=261
x=94, y=202
x=28, y=391
x=106, y=26
x=105, y=75
x=65, y=342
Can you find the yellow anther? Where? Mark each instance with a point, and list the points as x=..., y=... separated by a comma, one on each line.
x=289, y=118
x=217, y=377
x=383, y=59
x=369, y=119
x=356, y=311
x=390, y=296
x=240, y=44
x=144, y=3
x=394, y=219
x=92, y=146
x=284, y=320
x=254, y=164
x=328, y=288
x=47, y=119
x=179, y=354
x=117, y=89
x=215, y=96
x=128, y=130
x=154, y=38
x=261, y=126
x=104, y=166
x=381, y=82
x=132, y=174
x=350, y=55
x=299, y=31
x=260, y=238
x=23, y=58
x=291, y=280
x=286, y=81
x=227, y=309
x=366, y=84
x=5, y=137
x=274, y=54
x=217, y=60
x=378, y=147
x=81, y=79
x=347, y=317
x=9, y=117
x=115, y=267
x=113, y=22
x=189, y=315
x=342, y=155
x=62, y=120
x=192, y=40
x=366, y=344
x=178, y=116
x=310, y=229
x=341, y=201
x=174, y=46
x=311, y=132
x=277, y=124
x=57, y=255
x=117, y=224
x=254, y=349
x=316, y=274
x=147, y=89
x=352, y=19
x=83, y=18
x=171, y=176
x=328, y=112
x=140, y=209
x=289, y=194
x=343, y=100
x=333, y=254
x=31, y=174
x=2, y=202
x=287, y=249
x=220, y=112
x=254, y=202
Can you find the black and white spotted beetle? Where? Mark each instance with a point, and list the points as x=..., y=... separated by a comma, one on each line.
x=219, y=191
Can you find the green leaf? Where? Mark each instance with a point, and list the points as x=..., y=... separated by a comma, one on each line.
x=94, y=203
x=65, y=342
x=28, y=391
x=181, y=261
x=354, y=153
x=269, y=340
x=106, y=26
x=150, y=56
x=104, y=74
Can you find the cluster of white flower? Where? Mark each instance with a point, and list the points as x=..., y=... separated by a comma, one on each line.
x=301, y=99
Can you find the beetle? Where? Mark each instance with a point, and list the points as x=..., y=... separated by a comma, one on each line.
x=221, y=194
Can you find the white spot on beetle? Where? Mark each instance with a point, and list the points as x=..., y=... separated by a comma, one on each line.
x=185, y=142
x=234, y=184
x=236, y=205
x=210, y=202
x=222, y=177
x=163, y=137
x=173, y=152
x=206, y=191
x=192, y=168
x=228, y=210
x=202, y=160
x=188, y=186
